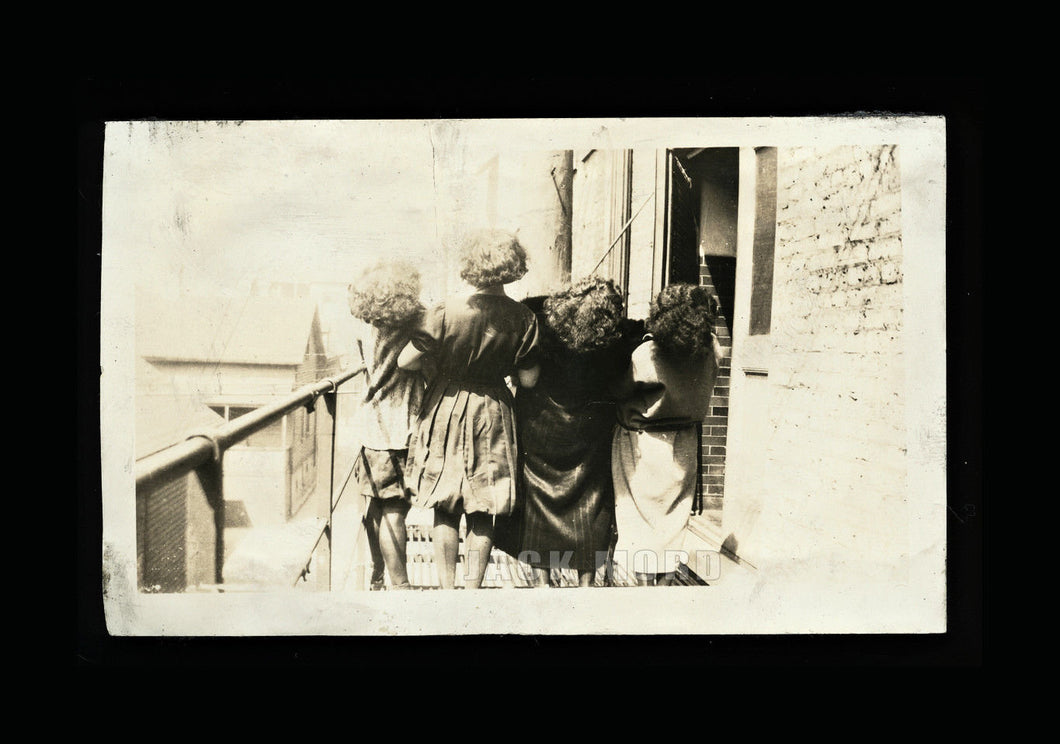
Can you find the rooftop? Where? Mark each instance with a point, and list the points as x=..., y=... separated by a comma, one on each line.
x=228, y=330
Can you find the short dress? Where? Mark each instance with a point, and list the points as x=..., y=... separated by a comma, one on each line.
x=387, y=412
x=654, y=455
x=463, y=452
x=566, y=512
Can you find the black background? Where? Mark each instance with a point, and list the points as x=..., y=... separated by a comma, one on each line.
x=962, y=100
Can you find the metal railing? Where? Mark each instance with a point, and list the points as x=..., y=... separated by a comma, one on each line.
x=203, y=453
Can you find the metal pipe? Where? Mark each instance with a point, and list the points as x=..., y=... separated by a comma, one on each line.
x=621, y=233
x=333, y=410
x=184, y=457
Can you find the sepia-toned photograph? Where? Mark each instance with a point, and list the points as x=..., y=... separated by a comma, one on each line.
x=531, y=376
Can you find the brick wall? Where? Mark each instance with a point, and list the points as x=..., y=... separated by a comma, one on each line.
x=718, y=275
x=835, y=452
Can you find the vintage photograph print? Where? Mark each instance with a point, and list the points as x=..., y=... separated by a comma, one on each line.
x=646, y=376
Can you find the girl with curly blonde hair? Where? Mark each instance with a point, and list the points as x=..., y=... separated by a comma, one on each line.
x=462, y=456
x=385, y=301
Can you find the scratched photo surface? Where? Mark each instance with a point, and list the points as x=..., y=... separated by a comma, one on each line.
x=240, y=454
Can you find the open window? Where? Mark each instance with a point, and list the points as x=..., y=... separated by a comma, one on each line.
x=271, y=436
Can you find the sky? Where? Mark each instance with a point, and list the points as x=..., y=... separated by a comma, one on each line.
x=212, y=206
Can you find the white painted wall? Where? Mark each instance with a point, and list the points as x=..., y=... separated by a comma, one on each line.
x=817, y=468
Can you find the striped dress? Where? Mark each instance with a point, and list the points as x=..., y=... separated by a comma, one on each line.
x=463, y=453
x=565, y=518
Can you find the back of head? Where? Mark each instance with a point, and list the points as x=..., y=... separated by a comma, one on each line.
x=386, y=294
x=681, y=320
x=586, y=315
x=490, y=257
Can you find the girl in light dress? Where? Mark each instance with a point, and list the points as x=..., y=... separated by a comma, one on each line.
x=385, y=302
x=664, y=397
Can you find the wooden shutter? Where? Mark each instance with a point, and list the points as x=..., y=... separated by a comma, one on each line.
x=764, y=242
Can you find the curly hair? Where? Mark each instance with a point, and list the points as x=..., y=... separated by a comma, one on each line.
x=586, y=315
x=386, y=294
x=490, y=257
x=681, y=320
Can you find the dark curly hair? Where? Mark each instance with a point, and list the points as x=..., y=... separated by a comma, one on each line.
x=681, y=320
x=586, y=315
x=386, y=294
x=490, y=257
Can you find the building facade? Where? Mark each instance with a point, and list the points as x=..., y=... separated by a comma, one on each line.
x=222, y=358
x=804, y=445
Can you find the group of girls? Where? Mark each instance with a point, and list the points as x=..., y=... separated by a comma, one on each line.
x=560, y=431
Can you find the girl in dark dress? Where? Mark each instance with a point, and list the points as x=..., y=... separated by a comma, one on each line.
x=565, y=518
x=462, y=456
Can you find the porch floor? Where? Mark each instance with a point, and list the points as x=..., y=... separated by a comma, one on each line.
x=503, y=571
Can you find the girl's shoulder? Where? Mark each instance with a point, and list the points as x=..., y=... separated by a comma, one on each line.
x=534, y=303
x=650, y=356
x=524, y=318
x=631, y=330
x=503, y=312
x=643, y=351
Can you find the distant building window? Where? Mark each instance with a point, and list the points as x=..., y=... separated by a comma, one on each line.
x=764, y=242
x=270, y=436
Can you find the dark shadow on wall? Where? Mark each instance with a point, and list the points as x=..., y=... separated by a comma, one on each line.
x=722, y=271
x=728, y=548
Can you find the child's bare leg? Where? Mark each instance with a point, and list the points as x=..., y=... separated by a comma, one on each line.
x=372, y=517
x=393, y=541
x=585, y=578
x=446, y=539
x=479, y=545
x=541, y=576
x=644, y=579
